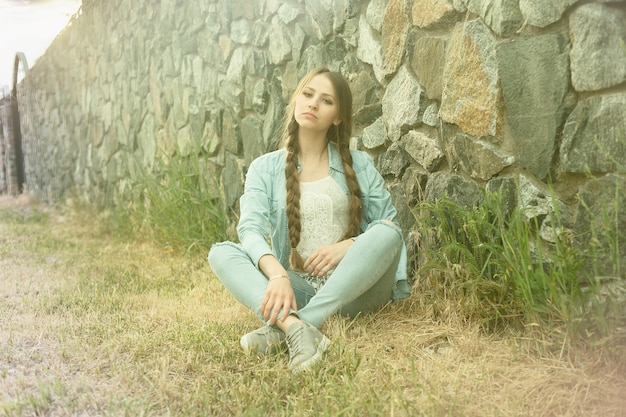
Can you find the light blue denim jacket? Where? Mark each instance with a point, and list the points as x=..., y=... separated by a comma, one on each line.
x=263, y=207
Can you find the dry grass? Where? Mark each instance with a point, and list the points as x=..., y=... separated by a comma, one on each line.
x=90, y=325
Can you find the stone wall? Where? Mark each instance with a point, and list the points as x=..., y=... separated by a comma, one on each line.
x=451, y=96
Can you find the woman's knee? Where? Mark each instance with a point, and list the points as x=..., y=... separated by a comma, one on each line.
x=388, y=230
x=220, y=255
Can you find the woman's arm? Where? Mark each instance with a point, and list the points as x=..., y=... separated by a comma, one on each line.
x=279, y=294
x=254, y=225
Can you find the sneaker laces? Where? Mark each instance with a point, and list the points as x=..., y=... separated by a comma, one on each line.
x=295, y=341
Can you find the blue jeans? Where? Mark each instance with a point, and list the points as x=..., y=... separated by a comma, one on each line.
x=362, y=282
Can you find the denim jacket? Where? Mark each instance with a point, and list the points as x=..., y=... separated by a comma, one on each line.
x=263, y=207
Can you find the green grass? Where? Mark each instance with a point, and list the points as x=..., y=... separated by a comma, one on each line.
x=498, y=270
x=171, y=204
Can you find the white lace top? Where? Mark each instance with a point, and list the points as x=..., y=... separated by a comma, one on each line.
x=324, y=213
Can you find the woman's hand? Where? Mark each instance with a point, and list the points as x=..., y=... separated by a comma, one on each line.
x=279, y=295
x=325, y=258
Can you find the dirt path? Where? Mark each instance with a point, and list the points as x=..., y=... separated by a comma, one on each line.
x=32, y=363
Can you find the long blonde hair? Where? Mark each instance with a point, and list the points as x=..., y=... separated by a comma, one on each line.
x=340, y=136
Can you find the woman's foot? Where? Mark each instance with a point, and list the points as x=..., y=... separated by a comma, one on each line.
x=264, y=340
x=306, y=345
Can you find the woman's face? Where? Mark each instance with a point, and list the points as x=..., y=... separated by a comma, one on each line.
x=316, y=107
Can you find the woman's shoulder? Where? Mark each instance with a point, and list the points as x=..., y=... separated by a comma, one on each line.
x=270, y=161
x=361, y=160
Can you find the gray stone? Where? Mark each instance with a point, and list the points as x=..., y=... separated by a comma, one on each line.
x=366, y=95
x=259, y=34
x=370, y=50
x=427, y=59
x=288, y=80
x=320, y=13
x=502, y=16
x=209, y=47
x=197, y=117
x=231, y=135
x=273, y=5
x=478, y=158
x=446, y=185
x=210, y=140
x=593, y=136
x=553, y=232
x=211, y=171
x=237, y=66
x=350, y=32
x=424, y=149
x=431, y=115
x=288, y=12
x=403, y=211
x=342, y=10
x=533, y=78
x=107, y=115
x=231, y=94
x=297, y=41
x=166, y=138
x=414, y=180
x=393, y=161
x=213, y=24
x=197, y=69
x=535, y=201
x=123, y=137
x=279, y=44
x=374, y=135
x=242, y=9
x=459, y=5
x=598, y=56
x=317, y=55
x=259, y=96
x=184, y=142
x=542, y=13
x=252, y=138
x=272, y=123
x=147, y=141
x=106, y=150
x=232, y=180
x=402, y=104
x=375, y=13
x=337, y=51
x=471, y=96
x=178, y=113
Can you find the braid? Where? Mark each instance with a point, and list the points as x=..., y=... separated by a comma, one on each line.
x=356, y=205
x=293, y=195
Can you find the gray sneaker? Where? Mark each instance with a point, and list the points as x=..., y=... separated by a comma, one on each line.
x=264, y=340
x=306, y=346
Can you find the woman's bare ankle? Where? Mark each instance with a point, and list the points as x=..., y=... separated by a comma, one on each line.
x=289, y=320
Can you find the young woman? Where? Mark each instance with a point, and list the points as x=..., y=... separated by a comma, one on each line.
x=334, y=242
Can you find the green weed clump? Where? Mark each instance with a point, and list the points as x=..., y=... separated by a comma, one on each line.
x=493, y=264
x=173, y=205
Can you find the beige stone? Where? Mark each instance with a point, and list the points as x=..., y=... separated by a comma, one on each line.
x=427, y=12
x=471, y=97
x=394, y=33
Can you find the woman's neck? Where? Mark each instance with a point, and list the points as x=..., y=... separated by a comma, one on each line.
x=313, y=147
x=313, y=158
